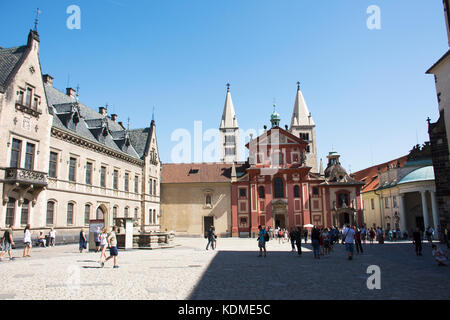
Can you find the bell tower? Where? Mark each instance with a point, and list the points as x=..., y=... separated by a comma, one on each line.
x=303, y=126
x=229, y=131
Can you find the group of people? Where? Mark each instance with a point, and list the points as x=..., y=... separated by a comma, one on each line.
x=102, y=240
x=7, y=241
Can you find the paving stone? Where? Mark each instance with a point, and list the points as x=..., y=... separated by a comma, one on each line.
x=232, y=271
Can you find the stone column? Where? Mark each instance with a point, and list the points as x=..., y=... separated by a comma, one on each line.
x=434, y=210
x=426, y=221
x=402, y=213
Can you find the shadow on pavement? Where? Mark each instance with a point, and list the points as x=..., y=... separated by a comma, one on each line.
x=283, y=275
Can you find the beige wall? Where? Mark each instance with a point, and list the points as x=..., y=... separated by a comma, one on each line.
x=183, y=207
x=27, y=128
x=37, y=129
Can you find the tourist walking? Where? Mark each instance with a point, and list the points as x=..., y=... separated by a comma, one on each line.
x=292, y=237
x=298, y=241
x=348, y=238
x=113, y=252
x=7, y=243
x=27, y=241
x=326, y=241
x=417, y=241
x=262, y=238
x=371, y=235
x=305, y=234
x=103, y=244
x=358, y=242
x=315, y=241
x=83, y=241
x=380, y=236
x=211, y=237
x=52, y=237
x=363, y=234
x=97, y=238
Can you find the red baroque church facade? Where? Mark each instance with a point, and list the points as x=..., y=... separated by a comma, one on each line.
x=275, y=187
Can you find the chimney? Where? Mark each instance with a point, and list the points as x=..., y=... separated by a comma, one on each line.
x=102, y=111
x=70, y=92
x=48, y=79
x=114, y=117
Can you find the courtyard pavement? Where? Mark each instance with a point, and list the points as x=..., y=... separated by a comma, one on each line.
x=232, y=272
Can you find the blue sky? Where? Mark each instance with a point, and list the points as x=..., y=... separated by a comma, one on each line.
x=366, y=89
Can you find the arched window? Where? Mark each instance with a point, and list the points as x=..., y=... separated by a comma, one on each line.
x=278, y=187
x=261, y=192
x=114, y=212
x=87, y=213
x=208, y=200
x=100, y=214
x=296, y=192
x=50, y=213
x=136, y=213
x=70, y=213
x=126, y=212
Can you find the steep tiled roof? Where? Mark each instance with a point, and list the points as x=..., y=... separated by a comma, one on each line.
x=9, y=58
x=91, y=125
x=139, y=138
x=198, y=172
x=370, y=175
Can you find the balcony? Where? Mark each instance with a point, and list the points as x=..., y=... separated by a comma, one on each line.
x=26, y=177
x=28, y=110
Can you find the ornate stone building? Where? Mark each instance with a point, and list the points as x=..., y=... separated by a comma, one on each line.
x=440, y=130
x=401, y=193
x=276, y=186
x=64, y=163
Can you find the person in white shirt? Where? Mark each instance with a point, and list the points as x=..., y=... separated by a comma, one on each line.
x=52, y=236
x=27, y=241
x=103, y=235
x=348, y=237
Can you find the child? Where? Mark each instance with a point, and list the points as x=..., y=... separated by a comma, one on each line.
x=439, y=255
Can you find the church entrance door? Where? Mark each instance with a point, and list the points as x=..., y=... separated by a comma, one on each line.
x=280, y=221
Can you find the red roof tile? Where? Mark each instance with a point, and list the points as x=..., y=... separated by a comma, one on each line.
x=196, y=172
x=370, y=175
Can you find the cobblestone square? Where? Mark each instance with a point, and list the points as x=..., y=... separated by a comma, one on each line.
x=233, y=271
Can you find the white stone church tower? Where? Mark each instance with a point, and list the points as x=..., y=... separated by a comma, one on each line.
x=303, y=126
x=229, y=131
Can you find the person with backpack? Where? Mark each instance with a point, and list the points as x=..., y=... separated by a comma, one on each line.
x=263, y=237
x=8, y=243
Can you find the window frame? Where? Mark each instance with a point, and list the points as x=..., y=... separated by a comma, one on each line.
x=16, y=153
x=73, y=169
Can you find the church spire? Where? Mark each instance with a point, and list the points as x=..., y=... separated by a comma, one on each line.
x=301, y=115
x=229, y=116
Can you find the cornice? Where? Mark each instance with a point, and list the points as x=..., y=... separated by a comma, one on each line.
x=69, y=137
